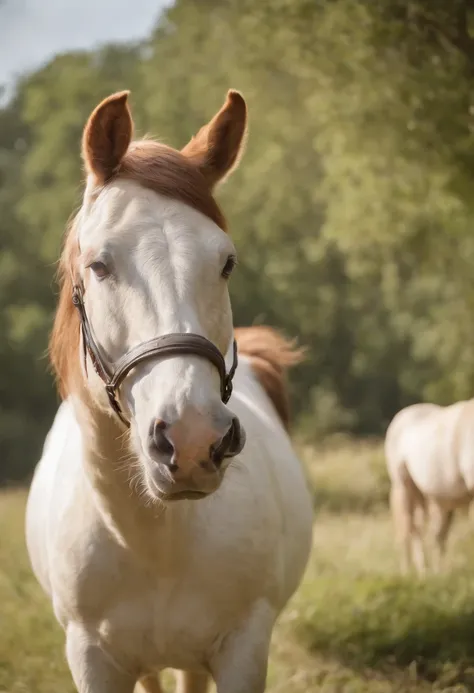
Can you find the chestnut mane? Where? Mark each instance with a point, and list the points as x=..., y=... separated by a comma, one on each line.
x=270, y=355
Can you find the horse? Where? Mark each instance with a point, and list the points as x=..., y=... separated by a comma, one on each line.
x=430, y=461
x=169, y=519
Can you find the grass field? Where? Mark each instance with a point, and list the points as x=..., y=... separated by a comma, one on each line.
x=355, y=625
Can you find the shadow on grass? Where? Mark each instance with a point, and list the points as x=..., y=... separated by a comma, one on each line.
x=380, y=624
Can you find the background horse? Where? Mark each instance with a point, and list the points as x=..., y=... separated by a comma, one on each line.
x=168, y=529
x=430, y=459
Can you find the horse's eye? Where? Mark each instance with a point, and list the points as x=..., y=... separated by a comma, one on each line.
x=100, y=270
x=229, y=266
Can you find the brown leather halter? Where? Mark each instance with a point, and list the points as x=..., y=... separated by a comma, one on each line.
x=169, y=345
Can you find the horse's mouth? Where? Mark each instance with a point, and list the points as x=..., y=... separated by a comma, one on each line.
x=186, y=495
x=179, y=494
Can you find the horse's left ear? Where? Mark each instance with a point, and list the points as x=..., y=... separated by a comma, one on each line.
x=106, y=137
x=218, y=146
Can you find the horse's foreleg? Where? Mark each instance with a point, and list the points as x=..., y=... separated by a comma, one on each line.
x=442, y=520
x=192, y=682
x=92, y=669
x=403, y=503
x=402, y=524
x=240, y=664
x=418, y=550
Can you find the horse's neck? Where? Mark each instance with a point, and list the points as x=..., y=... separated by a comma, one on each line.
x=113, y=474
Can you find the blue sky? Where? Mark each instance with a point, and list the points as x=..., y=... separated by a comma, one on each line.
x=33, y=31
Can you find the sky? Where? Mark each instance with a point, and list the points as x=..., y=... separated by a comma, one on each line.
x=33, y=31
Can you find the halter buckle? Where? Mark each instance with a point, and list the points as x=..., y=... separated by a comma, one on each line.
x=227, y=392
x=110, y=390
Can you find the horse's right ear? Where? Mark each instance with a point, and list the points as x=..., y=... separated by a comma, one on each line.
x=218, y=146
x=106, y=137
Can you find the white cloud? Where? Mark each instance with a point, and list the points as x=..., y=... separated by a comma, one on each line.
x=33, y=31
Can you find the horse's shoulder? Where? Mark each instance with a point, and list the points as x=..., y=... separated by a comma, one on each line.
x=462, y=417
x=410, y=415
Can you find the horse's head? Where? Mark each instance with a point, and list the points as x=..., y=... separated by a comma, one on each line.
x=151, y=255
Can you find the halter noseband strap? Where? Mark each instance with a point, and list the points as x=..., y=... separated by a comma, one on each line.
x=166, y=346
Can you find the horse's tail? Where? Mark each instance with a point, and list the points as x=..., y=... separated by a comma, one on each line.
x=270, y=355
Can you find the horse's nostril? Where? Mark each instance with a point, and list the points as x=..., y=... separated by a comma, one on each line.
x=161, y=443
x=229, y=445
x=219, y=452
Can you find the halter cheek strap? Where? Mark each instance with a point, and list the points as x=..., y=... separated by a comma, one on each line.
x=166, y=346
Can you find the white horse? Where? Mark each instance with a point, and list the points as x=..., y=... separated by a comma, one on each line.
x=429, y=451
x=161, y=540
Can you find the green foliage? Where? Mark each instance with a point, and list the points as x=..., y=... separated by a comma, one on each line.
x=352, y=211
x=382, y=622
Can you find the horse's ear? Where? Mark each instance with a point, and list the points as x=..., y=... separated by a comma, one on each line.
x=106, y=137
x=217, y=147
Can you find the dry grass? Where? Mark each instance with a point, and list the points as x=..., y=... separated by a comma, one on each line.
x=355, y=625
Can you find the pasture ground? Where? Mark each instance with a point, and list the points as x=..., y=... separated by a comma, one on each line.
x=355, y=625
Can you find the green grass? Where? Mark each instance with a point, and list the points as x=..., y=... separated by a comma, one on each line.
x=355, y=625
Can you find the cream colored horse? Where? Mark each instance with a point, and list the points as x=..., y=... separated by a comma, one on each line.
x=429, y=451
x=141, y=577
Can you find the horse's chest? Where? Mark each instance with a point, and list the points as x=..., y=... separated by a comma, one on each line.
x=173, y=623
x=168, y=612
x=167, y=601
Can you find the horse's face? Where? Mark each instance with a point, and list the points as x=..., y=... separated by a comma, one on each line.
x=152, y=265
